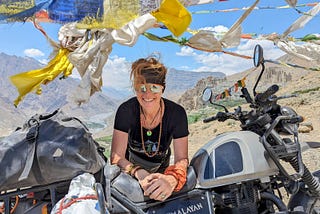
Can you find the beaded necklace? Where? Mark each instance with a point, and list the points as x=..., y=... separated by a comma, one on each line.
x=149, y=132
x=160, y=131
x=158, y=145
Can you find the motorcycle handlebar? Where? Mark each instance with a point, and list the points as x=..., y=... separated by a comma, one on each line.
x=207, y=120
x=294, y=120
x=220, y=116
x=262, y=97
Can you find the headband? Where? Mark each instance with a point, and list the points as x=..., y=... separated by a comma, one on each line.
x=152, y=76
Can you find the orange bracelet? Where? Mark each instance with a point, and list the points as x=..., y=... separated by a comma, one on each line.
x=179, y=173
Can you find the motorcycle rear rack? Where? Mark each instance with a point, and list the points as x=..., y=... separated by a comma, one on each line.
x=7, y=196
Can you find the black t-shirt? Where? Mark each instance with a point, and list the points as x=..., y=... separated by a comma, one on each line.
x=174, y=125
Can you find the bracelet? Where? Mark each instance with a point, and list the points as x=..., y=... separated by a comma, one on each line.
x=134, y=170
x=128, y=171
x=180, y=175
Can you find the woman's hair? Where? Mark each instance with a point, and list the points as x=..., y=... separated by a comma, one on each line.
x=148, y=70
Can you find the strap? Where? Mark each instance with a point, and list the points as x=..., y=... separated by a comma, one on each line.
x=77, y=119
x=31, y=139
x=74, y=200
x=45, y=117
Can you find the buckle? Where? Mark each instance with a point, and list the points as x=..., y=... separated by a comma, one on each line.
x=32, y=134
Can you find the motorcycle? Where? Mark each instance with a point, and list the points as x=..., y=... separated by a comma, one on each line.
x=235, y=172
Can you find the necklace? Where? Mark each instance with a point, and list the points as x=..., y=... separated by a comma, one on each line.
x=154, y=150
x=144, y=120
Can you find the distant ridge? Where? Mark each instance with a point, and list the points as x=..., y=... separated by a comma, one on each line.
x=97, y=113
x=285, y=76
x=179, y=81
x=54, y=96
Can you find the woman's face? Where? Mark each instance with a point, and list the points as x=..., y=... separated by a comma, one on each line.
x=149, y=95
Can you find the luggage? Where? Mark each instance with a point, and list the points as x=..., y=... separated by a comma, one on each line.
x=47, y=149
x=82, y=197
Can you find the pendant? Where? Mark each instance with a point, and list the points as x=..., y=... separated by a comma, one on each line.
x=149, y=145
x=154, y=147
x=149, y=133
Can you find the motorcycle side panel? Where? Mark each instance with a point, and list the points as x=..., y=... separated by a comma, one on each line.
x=197, y=204
x=230, y=158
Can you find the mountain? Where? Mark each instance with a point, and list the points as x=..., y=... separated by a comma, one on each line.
x=118, y=94
x=178, y=81
x=54, y=95
x=290, y=79
x=98, y=113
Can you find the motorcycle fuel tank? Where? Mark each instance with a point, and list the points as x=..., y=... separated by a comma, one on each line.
x=232, y=157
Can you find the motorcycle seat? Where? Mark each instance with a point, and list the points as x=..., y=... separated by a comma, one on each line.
x=131, y=189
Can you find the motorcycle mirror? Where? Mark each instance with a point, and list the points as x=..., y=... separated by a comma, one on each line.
x=206, y=94
x=257, y=61
x=258, y=56
x=207, y=97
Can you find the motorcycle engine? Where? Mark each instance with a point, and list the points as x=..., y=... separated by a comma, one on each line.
x=237, y=199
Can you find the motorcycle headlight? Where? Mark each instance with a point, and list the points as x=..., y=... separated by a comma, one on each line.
x=288, y=128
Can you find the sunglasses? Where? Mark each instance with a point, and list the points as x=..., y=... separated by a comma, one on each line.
x=154, y=88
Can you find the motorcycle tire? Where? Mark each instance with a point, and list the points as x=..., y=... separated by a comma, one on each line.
x=302, y=200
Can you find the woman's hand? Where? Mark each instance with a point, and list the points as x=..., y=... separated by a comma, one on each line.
x=141, y=175
x=159, y=186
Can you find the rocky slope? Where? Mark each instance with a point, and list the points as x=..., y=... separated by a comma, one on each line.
x=177, y=81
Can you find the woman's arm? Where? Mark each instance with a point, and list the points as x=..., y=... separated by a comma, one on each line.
x=180, y=147
x=162, y=185
x=118, y=151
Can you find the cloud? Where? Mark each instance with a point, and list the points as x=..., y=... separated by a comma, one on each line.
x=185, y=68
x=226, y=63
x=218, y=30
x=186, y=51
x=33, y=52
x=116, y=72
x=270, y=51
x=44, y=61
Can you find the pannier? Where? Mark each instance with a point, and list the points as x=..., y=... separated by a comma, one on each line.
x=47, y=149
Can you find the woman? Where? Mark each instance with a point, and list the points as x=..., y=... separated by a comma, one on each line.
x=144, y=127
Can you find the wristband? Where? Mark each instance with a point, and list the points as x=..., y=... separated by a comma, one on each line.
x=180, y=175
x=130, y=167
x=134, y=170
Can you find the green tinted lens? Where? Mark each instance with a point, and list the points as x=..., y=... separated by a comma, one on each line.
x=143, y=88
x=156, y=88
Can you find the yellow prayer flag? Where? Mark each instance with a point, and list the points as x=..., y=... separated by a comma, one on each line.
x=31, y=80
x=174, y=16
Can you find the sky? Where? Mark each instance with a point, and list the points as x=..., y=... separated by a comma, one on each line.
x=22, y=39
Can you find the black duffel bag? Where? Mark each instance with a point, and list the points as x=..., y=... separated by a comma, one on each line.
x=47, y=149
